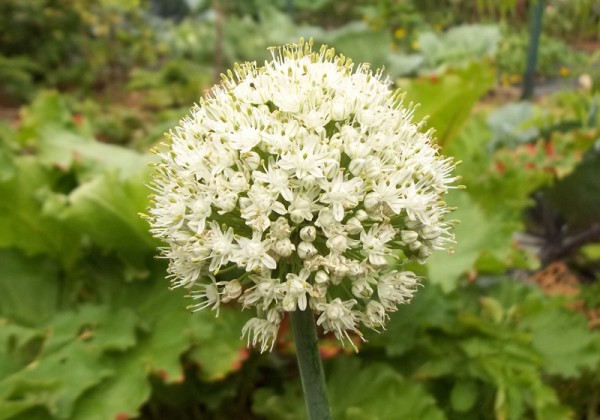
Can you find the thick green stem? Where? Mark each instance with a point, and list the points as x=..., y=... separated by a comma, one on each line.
x=309, y=362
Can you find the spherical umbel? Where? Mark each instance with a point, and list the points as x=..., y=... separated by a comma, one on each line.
x=302, y=182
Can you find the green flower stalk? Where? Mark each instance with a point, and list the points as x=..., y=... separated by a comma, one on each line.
x=301, y=187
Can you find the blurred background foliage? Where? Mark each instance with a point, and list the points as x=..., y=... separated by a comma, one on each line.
x=507, y=327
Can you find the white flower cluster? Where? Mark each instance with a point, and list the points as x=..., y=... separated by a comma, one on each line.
x=303, y=182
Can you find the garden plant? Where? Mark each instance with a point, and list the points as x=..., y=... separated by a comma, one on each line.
x=309, y=200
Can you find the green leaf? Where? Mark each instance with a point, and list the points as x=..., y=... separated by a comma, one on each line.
x=460, y=44
x=24, y=221
x=577, y=196
x=48, y=109
x=508, y=124
x=70, y=362
x=477, y=232
x=219, y=357
x=121, y=394
x=464, y=395
x=29, y=288
x=18, y=346
x=357, y=391
x=377, y=391
x=562, y=338
x=447, y=100
x=66, y=149
x=168, y=331
x=107, y=208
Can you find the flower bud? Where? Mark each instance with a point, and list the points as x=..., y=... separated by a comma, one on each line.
x=284, y=247
x=339, y=110
x=319, y=291
x=337, y=243
x=226, y=202
x=431, y=232
x=375, y=314
x=231, y=291
x=325, y=219
x=321, y=277
x=371, y=201
x=238, y=182
x=273, y=316
x=409, y=236
x=306, y=250
x=414, y=246
x=412, y=224
x=280, y=229
x=356, y=166
x=308, y=233
x=424, y=252
x=361, y=288
x=252, y=159
x=361, y=215
x=353, y=226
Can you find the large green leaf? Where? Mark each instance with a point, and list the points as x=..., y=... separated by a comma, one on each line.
x=562, y=338
x=447, y=99
x=66, y=149
x=459, y=44
x=476, y=233
x=377, y=391
x=168, y=331
x=578, y=195
x=71, y=361
x=357, y=391
x=48, y=109
x=29, y=288
x=25, y=222
x=106, y=209
x=219, y=357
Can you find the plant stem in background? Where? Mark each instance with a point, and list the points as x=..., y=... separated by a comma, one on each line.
x=534, y=41
x=309, y=362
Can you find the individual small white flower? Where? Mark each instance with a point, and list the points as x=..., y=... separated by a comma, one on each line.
x=295, y=290
x=276, y=179
x=221, y=246
x=395, y=288
x=375, y=315
x=262, y=332
x=253, y=253
x=342, y=194
x=338, y=316
x=303, y=206
x=231, y=291
x=293, y=185
x=339, y=243
x=265, y=291
x=361, y=288
x=306, y=158
x=374, y=243
x=208, y=294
